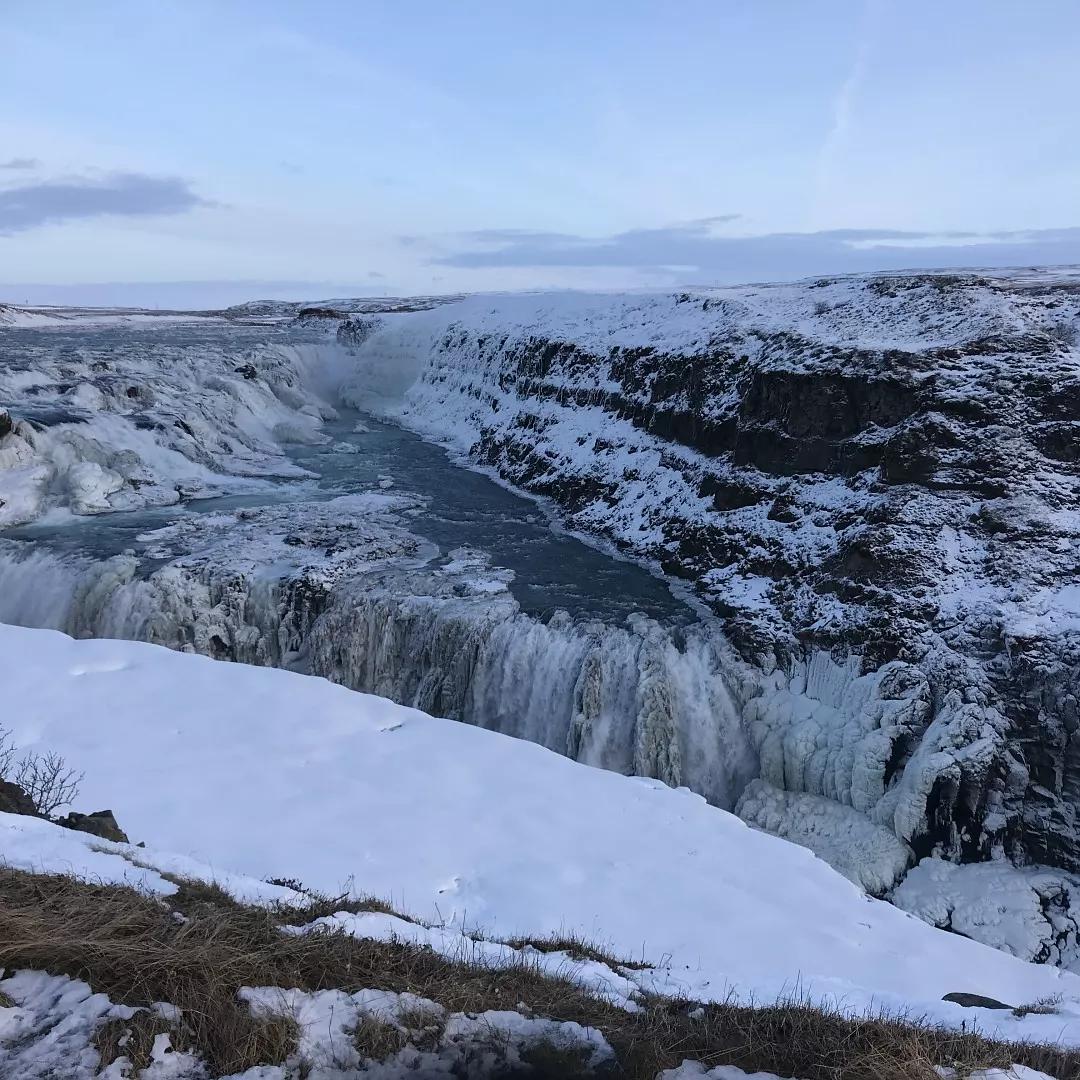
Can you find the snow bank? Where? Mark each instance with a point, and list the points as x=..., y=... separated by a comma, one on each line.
x=270, y=773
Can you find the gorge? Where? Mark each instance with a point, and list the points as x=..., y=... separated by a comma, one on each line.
x=809, y=550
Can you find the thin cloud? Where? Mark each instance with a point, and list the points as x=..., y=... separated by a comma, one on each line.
x=843, y=104
x=20, y=163
x=120, y=194
x=693, y=252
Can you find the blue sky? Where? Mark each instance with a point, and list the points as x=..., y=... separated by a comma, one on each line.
x=233, y=147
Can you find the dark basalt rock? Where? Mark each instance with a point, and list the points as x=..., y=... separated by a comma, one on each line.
x=976, y=1001
x=6, y=423
x=100, y=823
x=14, y=800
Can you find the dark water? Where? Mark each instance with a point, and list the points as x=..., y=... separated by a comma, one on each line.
x=463, y=509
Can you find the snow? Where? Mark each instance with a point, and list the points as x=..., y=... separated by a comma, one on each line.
x=289, y=776
x=328, y=1018
x=120, y=426
x=694, y=1070
x=822, y=737
x=614, y=986
x=49, y=1033
x=1025, y=911
x=40, y=847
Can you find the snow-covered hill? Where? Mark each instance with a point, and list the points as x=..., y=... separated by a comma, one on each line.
x=266, y=773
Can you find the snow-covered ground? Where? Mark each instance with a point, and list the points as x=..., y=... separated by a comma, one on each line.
x=263, y=772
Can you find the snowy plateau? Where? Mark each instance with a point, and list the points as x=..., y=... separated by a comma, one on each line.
x=798, y=560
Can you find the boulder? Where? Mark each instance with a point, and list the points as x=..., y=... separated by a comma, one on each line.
x=101, y=823
x=976, y=1001
x=6, y=423
x=13, y=800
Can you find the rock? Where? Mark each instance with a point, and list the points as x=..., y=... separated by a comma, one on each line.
x=248, y=371
x=101, y=823
x=976, y=1001
x=13, y=800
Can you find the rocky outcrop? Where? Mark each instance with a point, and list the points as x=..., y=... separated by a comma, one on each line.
x=100, y=823
x=14, y=800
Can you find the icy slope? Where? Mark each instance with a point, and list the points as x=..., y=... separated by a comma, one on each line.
x=873, y=481
x=268, y=773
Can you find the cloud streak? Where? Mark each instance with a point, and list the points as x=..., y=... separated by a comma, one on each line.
x=30, y=206
x=691, y=252
x=842, y=106
x=20, y=163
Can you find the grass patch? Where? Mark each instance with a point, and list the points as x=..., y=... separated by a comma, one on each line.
x=322, y=907
x=547, y=1061
x=376, y=1041
x=134, y=1038
x=576, y=947
x=133, y=948
x=1046, y=1006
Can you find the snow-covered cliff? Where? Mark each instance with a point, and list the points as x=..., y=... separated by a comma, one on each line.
x=872, y=481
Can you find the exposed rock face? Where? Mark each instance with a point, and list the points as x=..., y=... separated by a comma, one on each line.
x=100, y=823
x=13, y=800
x=975, y=1001
x=873, y=482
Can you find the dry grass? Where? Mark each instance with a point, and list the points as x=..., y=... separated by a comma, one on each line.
x=376, y=1041
x=547, y=1061
x=135, y=949
x=134, y=1038
x=576, y=947
x=195, y=896
x=1046, y=1006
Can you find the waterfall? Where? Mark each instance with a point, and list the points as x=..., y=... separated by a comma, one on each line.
x=635, y=699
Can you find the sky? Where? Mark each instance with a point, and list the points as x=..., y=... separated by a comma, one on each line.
x=194, y=152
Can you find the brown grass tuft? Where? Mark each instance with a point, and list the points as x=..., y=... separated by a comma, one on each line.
x=377, y=1041
x=1046, y=1006
x=577, y=947
x=134, y=1038
x=135, y=949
